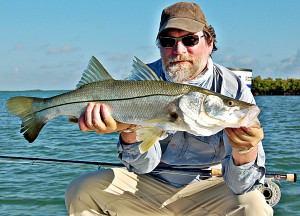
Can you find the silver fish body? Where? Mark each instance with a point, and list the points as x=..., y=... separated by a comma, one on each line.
x=157, y=106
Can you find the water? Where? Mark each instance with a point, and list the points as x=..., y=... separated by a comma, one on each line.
x=39, y=188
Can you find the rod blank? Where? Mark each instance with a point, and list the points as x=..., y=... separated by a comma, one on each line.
x=212, y=172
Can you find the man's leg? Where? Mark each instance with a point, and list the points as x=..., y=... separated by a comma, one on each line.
x=119, y=192
x=213, y=197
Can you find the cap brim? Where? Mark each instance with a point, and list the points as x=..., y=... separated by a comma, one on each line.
x=182, y=24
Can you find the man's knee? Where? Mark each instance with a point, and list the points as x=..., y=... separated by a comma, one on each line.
x=84, y=186
x=253, y=203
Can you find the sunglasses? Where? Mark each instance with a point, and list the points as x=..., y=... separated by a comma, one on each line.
x=170, y=42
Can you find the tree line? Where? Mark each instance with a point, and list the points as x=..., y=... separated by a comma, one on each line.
x=277, y=86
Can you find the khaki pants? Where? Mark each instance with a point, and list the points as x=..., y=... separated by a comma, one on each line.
x=119, y=192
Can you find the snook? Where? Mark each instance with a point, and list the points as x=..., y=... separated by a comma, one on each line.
x=155, y=105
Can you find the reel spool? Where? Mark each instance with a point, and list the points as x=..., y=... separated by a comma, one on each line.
x=271, y=192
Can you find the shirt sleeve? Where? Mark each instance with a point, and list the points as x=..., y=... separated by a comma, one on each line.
x=131, y=157
x=242, y=179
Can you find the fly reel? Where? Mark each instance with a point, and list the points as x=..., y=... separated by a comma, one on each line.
x=271, y=192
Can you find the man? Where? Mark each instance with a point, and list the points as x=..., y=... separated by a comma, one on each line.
x=186, y=43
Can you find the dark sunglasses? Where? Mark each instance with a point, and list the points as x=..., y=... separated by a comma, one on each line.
x=188, y=40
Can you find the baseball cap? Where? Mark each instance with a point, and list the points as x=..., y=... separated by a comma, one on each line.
x=186, y=16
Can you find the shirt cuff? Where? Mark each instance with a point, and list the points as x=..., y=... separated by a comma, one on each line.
x=128, y=148
x=241, y=168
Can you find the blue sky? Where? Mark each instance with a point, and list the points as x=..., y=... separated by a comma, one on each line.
x=47, y=44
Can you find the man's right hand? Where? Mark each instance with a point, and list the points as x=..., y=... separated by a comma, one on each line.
x=97, y=117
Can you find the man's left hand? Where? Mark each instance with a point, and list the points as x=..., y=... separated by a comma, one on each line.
x=244, y=138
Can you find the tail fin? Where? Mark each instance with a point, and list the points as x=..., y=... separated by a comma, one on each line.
x=23, y=107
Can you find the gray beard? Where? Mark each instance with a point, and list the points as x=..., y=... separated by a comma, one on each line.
x=180, y=72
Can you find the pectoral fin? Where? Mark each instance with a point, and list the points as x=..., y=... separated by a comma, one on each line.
x=149, y=135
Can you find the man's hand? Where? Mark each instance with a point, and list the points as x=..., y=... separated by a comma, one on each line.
x=243, y=139
x=97, y=117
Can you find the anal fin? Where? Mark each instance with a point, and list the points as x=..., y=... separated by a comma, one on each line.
x=73, y=119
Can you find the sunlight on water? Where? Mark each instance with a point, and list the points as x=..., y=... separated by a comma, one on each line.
x=280, y=118
x=38, y=188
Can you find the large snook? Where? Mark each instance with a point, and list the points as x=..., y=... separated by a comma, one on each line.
x=155, y=105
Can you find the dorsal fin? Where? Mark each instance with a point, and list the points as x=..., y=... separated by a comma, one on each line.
x=94, y=72
x=141, y=71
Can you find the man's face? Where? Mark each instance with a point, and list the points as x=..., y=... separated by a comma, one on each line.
x=184, y=63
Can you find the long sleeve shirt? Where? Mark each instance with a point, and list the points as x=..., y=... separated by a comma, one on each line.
x=187, y=151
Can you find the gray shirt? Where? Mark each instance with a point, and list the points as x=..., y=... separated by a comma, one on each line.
x=189, y=152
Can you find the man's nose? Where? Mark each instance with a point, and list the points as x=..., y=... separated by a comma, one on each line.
x=179, y=48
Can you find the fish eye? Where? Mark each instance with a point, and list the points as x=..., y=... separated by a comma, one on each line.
x=230, y=103
x=173, y=116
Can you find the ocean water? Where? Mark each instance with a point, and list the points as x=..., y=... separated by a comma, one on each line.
x=38, y=188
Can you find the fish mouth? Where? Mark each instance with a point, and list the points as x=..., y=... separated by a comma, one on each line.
x=234, y=115
x=249, y=119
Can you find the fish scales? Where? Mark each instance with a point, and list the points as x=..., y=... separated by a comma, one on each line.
x=115, y=92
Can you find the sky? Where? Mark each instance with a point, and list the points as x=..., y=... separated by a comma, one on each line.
x=47, y=44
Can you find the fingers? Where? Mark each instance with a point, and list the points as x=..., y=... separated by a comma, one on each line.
x=234, y=139
x=256, y=132
x=81, y=123
x=244, y=138
x=110, y=124
x=94, y=120
x=97, y=117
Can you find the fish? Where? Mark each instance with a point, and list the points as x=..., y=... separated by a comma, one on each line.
x=156, y=106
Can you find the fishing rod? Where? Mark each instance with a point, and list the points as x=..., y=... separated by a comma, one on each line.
x=208, y=172
x=62, y=161
x=269, y=189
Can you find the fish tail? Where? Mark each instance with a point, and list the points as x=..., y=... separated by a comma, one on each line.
x=25, y=108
